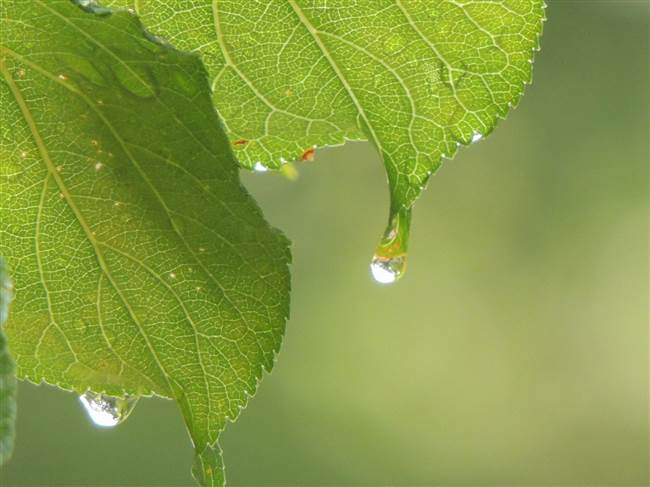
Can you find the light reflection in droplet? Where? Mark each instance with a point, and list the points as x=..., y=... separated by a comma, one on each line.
x=107, y=411
x=387, y=271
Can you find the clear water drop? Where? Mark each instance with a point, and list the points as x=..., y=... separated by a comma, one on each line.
x=389, y=261
x=259, y=167
x=6, y=292
x=476, y=137
x=387, y=271
x=107, y=411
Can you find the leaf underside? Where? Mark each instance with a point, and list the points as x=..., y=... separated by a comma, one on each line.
x=141, y=265
x=415, y=77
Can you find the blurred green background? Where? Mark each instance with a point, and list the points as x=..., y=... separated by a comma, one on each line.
x=514, y=351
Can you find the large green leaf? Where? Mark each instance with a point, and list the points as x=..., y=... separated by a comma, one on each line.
x=7, y=373
x=415, y=77
x=141, y=265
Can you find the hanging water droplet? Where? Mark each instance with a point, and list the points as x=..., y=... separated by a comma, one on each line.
x=6, y=292
x=389, y=261
x=107, y=411
x=259, y=167
x=387, y=270
x=476, y=137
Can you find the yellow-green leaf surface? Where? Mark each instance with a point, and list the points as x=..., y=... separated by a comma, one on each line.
x=415, y=77
x=7, y=373
x=141, y=266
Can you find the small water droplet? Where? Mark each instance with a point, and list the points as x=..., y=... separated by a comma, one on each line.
x=259, y=167
x=98, y=166
x=476, y=137
x=107, y=411
x=389, y=261
x=63, y=77
x=172, y=275
x=6, y=292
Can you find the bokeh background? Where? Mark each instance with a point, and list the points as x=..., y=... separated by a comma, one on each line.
x=514, y=351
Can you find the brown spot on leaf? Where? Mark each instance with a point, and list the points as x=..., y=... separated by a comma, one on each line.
x=308, y=155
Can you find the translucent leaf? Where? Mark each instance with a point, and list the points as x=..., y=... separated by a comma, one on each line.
x=415, y=77
x=141, y=265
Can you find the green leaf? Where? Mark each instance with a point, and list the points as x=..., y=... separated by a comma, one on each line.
x=141, y=265
x=415, y=77
x=7, y=373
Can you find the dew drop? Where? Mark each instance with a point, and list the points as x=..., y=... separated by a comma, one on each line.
x=259, y=167
x=107, y=411
x=389, y=261
x=476, y=137
x=6, y=292
x=98, y=166
x=387, y=270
